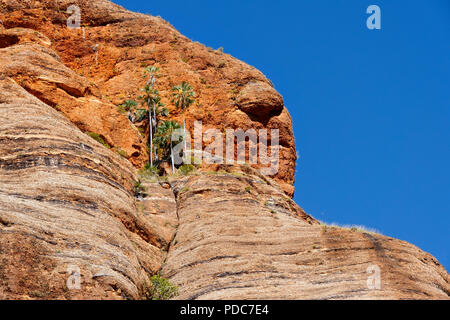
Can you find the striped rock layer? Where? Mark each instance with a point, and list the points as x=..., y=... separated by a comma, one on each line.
x=71, y=225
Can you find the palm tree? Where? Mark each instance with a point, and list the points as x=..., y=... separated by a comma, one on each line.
x=183, y=96
x=150, y=97
x=158, y=111
x=128, y=106
x=163, y=138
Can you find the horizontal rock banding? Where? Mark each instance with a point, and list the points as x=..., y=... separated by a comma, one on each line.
x=240, y=238
x=69, y=201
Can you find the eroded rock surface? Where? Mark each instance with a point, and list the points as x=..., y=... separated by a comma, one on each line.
x=240, y=238
x=117, y=45
x=65, y=200
x=68, y=203
x=40, y=71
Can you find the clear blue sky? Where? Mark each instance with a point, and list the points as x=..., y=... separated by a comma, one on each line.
x=370, y=109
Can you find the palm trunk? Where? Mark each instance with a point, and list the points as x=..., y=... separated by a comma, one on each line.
x=171, y=156
x=151, y=131
x=184, y=129
x=154, y=115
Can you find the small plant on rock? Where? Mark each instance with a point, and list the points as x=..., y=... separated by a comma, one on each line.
x=186, y=169
x=139, y=190
x=161, y=289
x=149, y=172
x=122, y=153
x=98, y=138
x=127, y=106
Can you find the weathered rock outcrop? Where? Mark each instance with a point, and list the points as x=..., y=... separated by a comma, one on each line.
x=65, y=200
x=241, y=238
x=68, y=203
x=39, y=70
x=117, y=45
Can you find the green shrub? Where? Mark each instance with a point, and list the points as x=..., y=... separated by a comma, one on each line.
x=154, y=170
x=186, y=169
x=139, y=189
x=183, y=190
x=122, y=109
x=161, y=289
x=149, y=172
x=122, y=153
x=98, y=138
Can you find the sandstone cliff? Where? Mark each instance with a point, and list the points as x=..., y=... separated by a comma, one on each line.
x=109, y=56
x=68, y=205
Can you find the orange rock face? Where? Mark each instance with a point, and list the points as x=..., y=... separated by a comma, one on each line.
x=105, y=64
x=70, y=207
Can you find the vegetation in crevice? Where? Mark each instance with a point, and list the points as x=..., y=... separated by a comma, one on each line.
x=122, y=153
x=160, y=288
x=164, y=133
x=97, y=137
x=140, y=191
